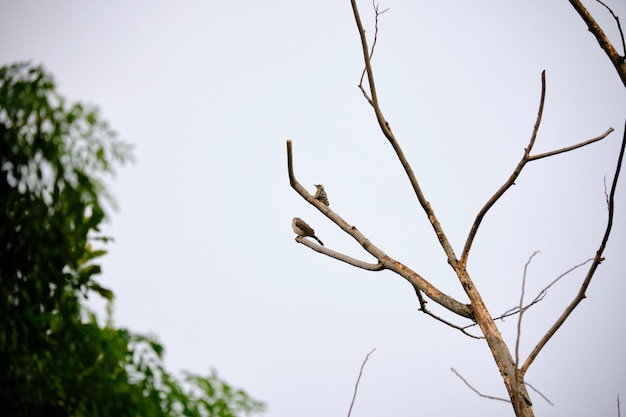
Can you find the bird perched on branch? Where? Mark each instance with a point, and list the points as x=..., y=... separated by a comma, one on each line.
x=300, y=228
x=320, y=194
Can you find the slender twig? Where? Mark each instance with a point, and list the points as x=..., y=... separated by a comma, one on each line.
x=516, y=310
x=499, y=398
x=356, y=386
x=423, y=309
x=544, y=291
x=480, y=394
x=616, y=59
x=571, y=148
x=521, y=314
x=373, y=98
x=372, y=49
x=618, y=409
x=539, y=392
x=592, y=269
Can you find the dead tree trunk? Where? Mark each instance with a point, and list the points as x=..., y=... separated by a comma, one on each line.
x=511, y=368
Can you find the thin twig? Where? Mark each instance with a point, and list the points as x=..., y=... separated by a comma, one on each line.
x=544, y=291
x=592, y=269
x=373, y=97
x=426, y=311
x=539, y=392
x=356, y=387
x=521, y=314
x=480, y=394
x=571, y=148
x=618, y=410
x=499, y=398
x=371, y=55
x=516, y=310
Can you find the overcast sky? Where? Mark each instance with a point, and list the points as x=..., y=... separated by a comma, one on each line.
x=204, y=256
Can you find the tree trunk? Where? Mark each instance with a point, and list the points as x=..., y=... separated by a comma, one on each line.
x=513, y=380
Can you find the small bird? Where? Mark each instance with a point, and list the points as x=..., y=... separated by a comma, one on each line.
x=300, y=228
x=320, y=194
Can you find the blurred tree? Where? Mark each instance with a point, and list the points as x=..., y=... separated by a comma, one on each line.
x=55, y=358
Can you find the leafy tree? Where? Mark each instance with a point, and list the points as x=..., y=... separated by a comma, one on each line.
x=55, y=358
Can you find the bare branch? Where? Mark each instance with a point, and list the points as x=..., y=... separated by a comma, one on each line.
x=539, y=392
x=371, y=54
x=618, y=409
x=373, y=98
x=407, y=273
x=512, y=178
x=499, y=398
x=527, y=157
x=356, y=387
x=542, y=293
x=478, y=310
x=516, y=310
x=478, y=392
x=619, y=26
x=521, y=314
x=592, y=269
x=340, y=256
x=386, y=129
x=426, y=311
x=571, y=148
x=603, y=40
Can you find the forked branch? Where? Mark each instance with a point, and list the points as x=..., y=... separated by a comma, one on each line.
x=526, y=158
x=377, y=13
x=386, y=129
x=516, y=310
x=384, y=260
x=592, y=269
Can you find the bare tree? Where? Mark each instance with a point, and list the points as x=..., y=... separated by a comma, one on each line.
x=473, y=312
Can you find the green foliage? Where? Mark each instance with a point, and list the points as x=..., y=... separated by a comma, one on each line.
x=55, y=359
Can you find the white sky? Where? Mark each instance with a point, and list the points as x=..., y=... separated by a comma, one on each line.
x=204, y=255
